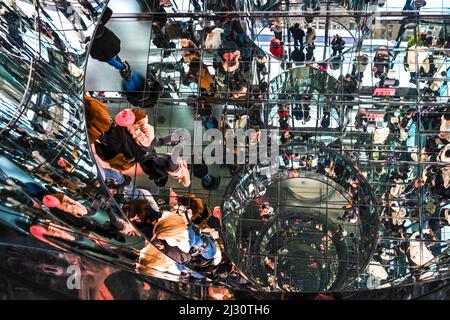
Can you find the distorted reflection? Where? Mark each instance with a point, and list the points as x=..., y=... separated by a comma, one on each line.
x=357, y=198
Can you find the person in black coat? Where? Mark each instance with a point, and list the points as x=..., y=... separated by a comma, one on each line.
x=298, y=34
x=106, y=47
x=337, y=45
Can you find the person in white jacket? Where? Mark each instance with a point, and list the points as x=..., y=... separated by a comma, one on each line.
x=418, y=251
x=213, y=38
x=416, y=56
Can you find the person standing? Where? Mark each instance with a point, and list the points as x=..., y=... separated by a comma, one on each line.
x=337, y=44
x=298, y=35
x=213, y=38
x=106, y=47
x=310, y=46
x=276, y=48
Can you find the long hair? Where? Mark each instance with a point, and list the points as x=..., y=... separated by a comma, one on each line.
x=151, y=258
x=139, y=113
x=174, y=226
x=142, y=209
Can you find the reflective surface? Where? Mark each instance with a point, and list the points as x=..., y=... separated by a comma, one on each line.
x=360, y=198
x=328, y=253
x=45, y=148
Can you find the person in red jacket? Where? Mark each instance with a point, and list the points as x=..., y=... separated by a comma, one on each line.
x=276, y=47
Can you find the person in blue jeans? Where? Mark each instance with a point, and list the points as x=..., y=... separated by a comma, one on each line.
x=106, y=47
x=130, y=192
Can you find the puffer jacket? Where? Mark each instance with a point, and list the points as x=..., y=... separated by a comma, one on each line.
x=214, y=41
x=142, y=132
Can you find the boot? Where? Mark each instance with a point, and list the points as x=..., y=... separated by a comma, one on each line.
x=181, y=174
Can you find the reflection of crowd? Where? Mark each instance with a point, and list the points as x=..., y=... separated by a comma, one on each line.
x=178, y=230
x=283, y=272
x=419, y=232
x=217, y=60
x=66, y=190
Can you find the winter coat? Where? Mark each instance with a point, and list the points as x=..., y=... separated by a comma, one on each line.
x=106, y=44
x=310, y=37
x=338, y=43
x=205, y=77
x=361, y=62
x=297, y=55
x=156, y=169
x=120, y=150
x=298, y=34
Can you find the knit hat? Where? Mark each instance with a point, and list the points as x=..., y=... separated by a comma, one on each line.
x=125, y=118
x=228, y=56
x=51, y=201
x=61, y=163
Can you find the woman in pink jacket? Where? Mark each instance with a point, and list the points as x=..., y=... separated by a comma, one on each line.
x=131, y=140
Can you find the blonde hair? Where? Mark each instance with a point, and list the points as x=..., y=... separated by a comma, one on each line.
x=151, y=258
x=174, y=226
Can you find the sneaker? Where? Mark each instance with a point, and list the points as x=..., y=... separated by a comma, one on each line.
x=186, y=178
x=177, y=139
x=40, y=231
x=72, y=207
x=125, y=73
x=182, y=174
